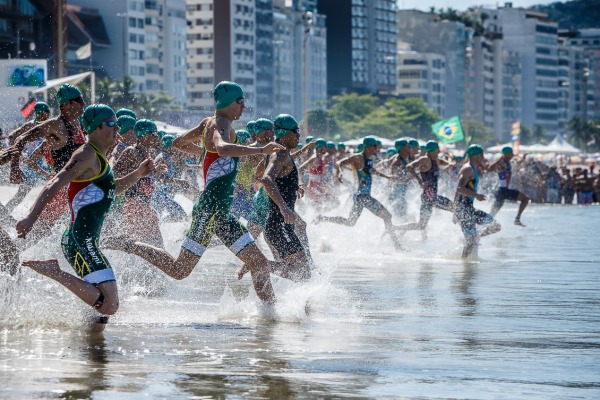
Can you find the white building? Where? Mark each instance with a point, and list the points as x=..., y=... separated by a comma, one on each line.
x=422, y=75
x=532, y=35
x=221, y=39
x=147, y=43
x=586, y=71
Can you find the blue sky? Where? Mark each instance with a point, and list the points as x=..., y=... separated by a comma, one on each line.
x=463, y=4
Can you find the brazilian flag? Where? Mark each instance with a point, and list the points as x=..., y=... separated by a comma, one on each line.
x=449, y=130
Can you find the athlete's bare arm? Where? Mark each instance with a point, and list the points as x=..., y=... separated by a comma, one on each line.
x=418, y=163
x=190, y=142
x=219, y=138
x=145, y=168
x=277, y=167
x=83, y=164
x=127, y=162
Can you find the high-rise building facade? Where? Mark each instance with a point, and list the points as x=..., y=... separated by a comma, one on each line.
x=361, y=45
x=147, y=43
x=531, y=34
x=422, y=75
x=283, y=60
x=265, y=73
x=586, y=72
x=426, y=33
x=300, y=54
x=221, y=47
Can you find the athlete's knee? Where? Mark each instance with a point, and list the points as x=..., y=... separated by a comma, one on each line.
x=109, y=306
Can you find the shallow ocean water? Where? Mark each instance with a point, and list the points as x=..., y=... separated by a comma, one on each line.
x=520, y=321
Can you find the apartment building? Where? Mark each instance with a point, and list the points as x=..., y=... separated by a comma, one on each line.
x=532, y=35
x=426, y=33
x=422, y=75
x=361, y=45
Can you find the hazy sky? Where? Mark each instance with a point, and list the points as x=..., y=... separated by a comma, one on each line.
x=463, y=4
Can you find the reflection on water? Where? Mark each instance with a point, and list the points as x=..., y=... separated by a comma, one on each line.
x=520, y=322
x=462, y=283
x=92, y=374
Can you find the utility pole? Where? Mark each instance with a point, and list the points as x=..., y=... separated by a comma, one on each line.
x=308, y=22
x=60, y=37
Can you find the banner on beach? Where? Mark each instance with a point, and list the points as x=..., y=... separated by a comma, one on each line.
x=449, y=130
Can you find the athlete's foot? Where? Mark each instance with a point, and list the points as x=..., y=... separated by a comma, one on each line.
x=519, y=223
x=119, y=242
x=242, y=271
x=49, y=268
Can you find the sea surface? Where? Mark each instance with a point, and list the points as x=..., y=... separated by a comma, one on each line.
x=520, y=321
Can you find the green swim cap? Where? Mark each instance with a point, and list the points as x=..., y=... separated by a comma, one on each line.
x=161, y=134
x=507, y=150
x=473, y=150
x=369, y=141
x=309, y=139
x=413, y=143
x=126, y=111
x=226, y=93
x=40, y=107
x=422, y=148
x=261, y=125
x=125, y=122
x=320, y=142
x=341, y=146
x=144, y=127
x=360, y=148
x=400, y=143
x=458, y=158
x=167, y=141
x=378, y=142
x=67, y=93
x=283, y=124
x=431, y=146
x=94, y=115
x=330, y=145
x=250, y=127
x=242, y=136
x=391, y=151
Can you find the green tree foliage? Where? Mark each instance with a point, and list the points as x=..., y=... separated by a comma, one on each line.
x=583, y=132
x=389, y=117
x=322, y=124
x=352, y=107
x=573, y=14
x=478, y=132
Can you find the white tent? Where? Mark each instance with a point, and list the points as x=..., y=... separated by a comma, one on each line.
x=560, y=146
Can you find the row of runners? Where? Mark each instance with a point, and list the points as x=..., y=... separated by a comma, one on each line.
x=104, y=160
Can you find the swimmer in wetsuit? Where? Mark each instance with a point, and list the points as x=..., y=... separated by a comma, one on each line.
x=63, y=136
x=467, y=216
x=503, y=166
x=429, y=172
x=211, y=213
x=362, y=164
x=91, y=189
x=281, y=182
